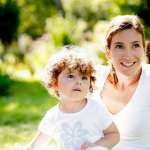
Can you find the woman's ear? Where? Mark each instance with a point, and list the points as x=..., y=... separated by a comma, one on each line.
x=55, y=87
x=146, y=50
x=108, y=54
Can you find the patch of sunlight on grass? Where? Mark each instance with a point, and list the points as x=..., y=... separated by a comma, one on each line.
x=21, y=113
x=10, y=107
x=20, y=134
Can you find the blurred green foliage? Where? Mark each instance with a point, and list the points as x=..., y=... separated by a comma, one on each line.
x=30, y=32
x=47, y=25
x=91, y=11
x=9, y=21
x=34, y=14
x=64, y=31
x=5, y=83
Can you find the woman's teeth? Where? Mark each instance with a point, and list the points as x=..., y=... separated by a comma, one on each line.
x=126, y=64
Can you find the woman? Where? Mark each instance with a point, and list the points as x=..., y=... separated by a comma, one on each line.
x=125, y=87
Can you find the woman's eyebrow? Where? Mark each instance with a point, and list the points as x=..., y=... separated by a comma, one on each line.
x=118, y=43
x=122, y=42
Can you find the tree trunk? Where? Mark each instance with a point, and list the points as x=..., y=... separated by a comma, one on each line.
x=60, y=7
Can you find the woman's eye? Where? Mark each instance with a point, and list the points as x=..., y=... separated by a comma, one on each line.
x=84, y=78
x=119, y=46
x=136, y=45
x=70, y=76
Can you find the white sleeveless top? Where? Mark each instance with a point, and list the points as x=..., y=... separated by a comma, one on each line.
x=133, y=121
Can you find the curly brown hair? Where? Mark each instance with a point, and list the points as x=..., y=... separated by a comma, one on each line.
x=69, y=59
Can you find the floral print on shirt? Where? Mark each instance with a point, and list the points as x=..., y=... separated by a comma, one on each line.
x=73, y=136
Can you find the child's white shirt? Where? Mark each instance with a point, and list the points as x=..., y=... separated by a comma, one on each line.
x=70, y=130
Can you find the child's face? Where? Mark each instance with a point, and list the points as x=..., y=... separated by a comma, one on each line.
x=72, y=86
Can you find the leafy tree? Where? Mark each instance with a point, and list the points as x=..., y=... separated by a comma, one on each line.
x=60, y=7
x=91, y=11
x=139, y=7
x=144, y=10
x=9, y=21
x=34, y=14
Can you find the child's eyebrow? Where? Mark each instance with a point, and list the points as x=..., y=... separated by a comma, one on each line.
x=69, y=72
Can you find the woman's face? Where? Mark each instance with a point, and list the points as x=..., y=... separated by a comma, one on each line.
x=126, y=52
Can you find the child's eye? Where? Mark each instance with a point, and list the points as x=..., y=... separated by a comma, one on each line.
x=70, y=76
x=84, y=78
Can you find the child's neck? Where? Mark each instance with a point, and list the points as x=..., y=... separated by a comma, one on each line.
x=72, y=106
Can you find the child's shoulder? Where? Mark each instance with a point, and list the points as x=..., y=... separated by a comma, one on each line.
x=52, y=111
x=96, y=102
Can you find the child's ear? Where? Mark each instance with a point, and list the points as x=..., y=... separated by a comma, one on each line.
x=55, y=87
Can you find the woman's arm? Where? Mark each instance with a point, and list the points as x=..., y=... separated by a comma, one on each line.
x=39, y=142
x=111, y=137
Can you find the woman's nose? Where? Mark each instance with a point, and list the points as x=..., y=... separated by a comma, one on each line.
x=79, y=82
x=128, y=53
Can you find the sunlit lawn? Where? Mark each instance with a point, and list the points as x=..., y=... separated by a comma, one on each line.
x=21, y=112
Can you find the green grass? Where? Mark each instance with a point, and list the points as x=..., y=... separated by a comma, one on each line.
x=21, y=112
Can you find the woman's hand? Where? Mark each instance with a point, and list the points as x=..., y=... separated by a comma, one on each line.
x=91, y=146
x=86, y=145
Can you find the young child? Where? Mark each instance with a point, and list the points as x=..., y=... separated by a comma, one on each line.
x=77, y=122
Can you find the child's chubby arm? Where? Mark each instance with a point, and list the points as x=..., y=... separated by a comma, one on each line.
x=111, y=138
x=39, y=142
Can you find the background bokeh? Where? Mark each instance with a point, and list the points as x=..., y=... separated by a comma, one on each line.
x=30, y=32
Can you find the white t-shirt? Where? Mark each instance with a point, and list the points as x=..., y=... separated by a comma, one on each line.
x=70, y=130
x=133, y=121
